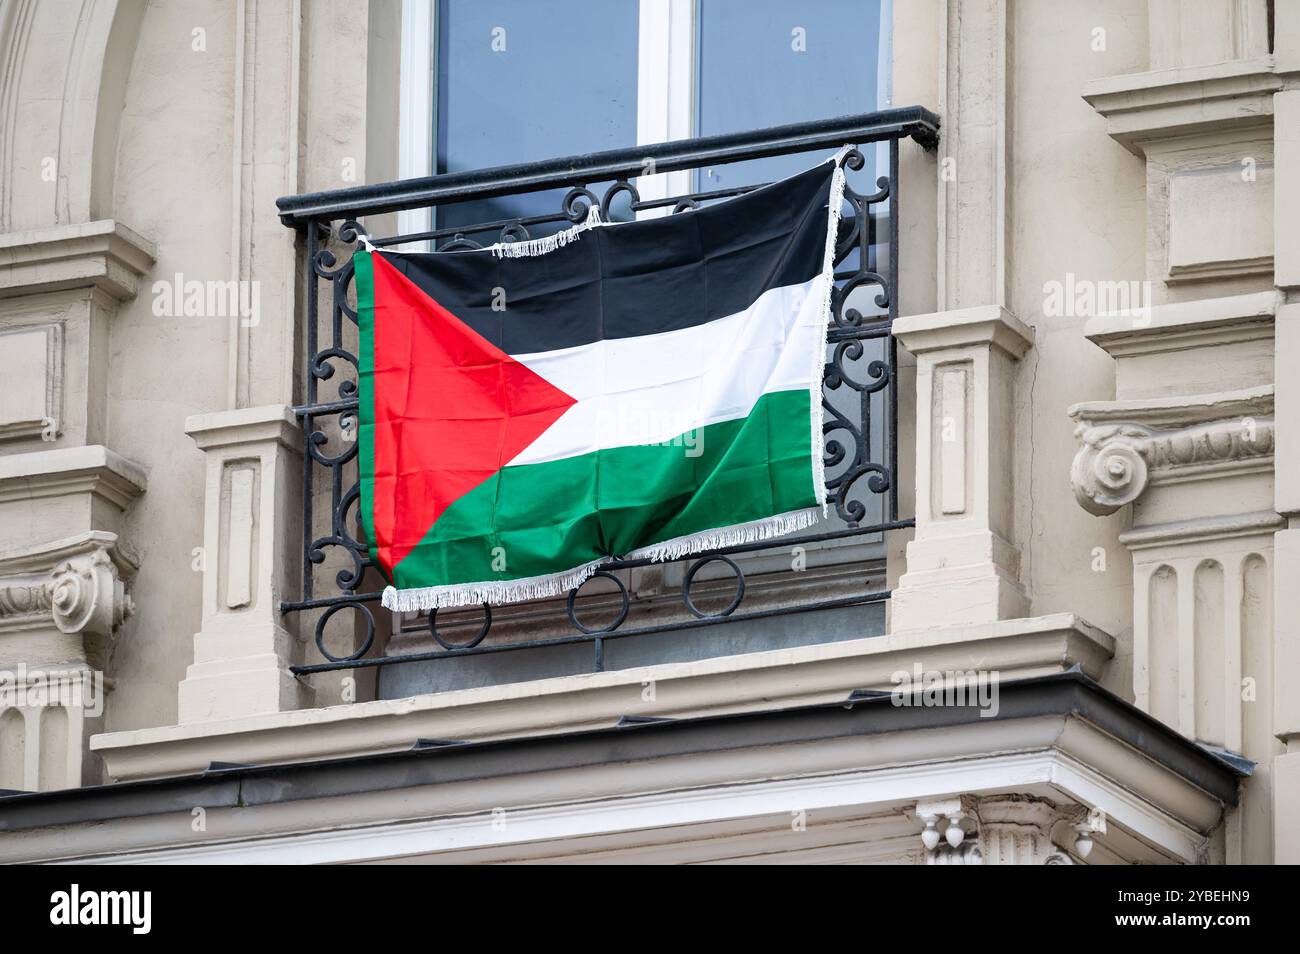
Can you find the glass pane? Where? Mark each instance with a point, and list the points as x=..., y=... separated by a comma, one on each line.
x=768, y=62
x=520, y=80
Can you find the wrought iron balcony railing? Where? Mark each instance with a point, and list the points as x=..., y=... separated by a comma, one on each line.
x=860, y=393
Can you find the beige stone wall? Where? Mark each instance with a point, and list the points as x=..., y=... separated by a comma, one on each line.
x=1077, y=207
x=182, y=122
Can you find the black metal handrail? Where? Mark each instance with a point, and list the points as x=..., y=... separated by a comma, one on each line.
x=913, y=122
x=849, y=370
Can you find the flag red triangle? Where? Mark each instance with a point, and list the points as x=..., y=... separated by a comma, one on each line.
x=450, y=410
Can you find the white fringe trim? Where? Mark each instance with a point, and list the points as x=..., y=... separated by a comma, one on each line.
x=835, y=209
x=497, y=592
x=493, y=592
x=768, y=528
x=549, y=243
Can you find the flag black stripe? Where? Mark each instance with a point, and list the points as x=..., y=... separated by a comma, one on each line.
x=636, y=279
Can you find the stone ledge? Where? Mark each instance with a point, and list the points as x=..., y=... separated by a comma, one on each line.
x=1206, y=322
x=51, y=473
x=984, y=324
x=1202, y=530
x=1179, y=410
x=246, y=425
x=105, y=254
x=1145, y=108
x=780, y=678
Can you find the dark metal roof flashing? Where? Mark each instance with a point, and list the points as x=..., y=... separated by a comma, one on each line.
x=430, y=762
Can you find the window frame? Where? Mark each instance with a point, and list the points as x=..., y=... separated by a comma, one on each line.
x=667, y=92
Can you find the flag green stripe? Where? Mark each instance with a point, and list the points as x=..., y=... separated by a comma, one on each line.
x=365, y=286
x=533, y=519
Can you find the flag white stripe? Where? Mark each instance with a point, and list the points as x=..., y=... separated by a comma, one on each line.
x=653, y=388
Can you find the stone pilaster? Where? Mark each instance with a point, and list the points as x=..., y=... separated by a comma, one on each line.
x=1188, y=448
x=251, y=545
x=962, y=565
x=1286, y=609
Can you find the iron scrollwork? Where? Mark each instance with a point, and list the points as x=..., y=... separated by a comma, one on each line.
x=859, y=395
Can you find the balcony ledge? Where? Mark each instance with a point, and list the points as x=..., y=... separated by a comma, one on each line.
x=808, y=675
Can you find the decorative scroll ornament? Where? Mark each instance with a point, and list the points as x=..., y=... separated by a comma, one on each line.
x=1110, y=469
x=83, y=594
x=1118, y=460
x=88, y=597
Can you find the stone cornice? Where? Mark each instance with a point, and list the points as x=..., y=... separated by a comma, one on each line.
x=787, y=677
x=93, y=469
x=1128, y=445
x=1144, y=109
x=248, y=425
x=981, y=325
x=1198, y=531
x=1206, y=322
x=105, y=255
x=1180, y=410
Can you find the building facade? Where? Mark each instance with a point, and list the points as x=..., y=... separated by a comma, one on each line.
x=1049, y=619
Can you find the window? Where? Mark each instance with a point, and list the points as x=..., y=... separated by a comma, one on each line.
x=494, y=82
x=522, y=81
x=767, y=62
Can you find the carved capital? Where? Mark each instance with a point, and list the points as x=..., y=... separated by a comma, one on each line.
x=1117, y=460
x=78, y=586
x=1006, y=829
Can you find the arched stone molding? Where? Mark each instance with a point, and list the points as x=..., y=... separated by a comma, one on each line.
x=82, y=63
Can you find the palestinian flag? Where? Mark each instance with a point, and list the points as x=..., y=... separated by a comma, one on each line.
x=644, y=389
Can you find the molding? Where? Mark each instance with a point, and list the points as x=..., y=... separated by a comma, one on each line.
x=1144, y=109
x=1203, y=530
x=1179, y=411
x=51, y=411
x=93, y=469
x=965, y=327
x=805, y=675
x=1129, y=445
x=1217, y=271
x=248, y=425
x=1206, y=322
x=43, y=556
x=105, y=255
